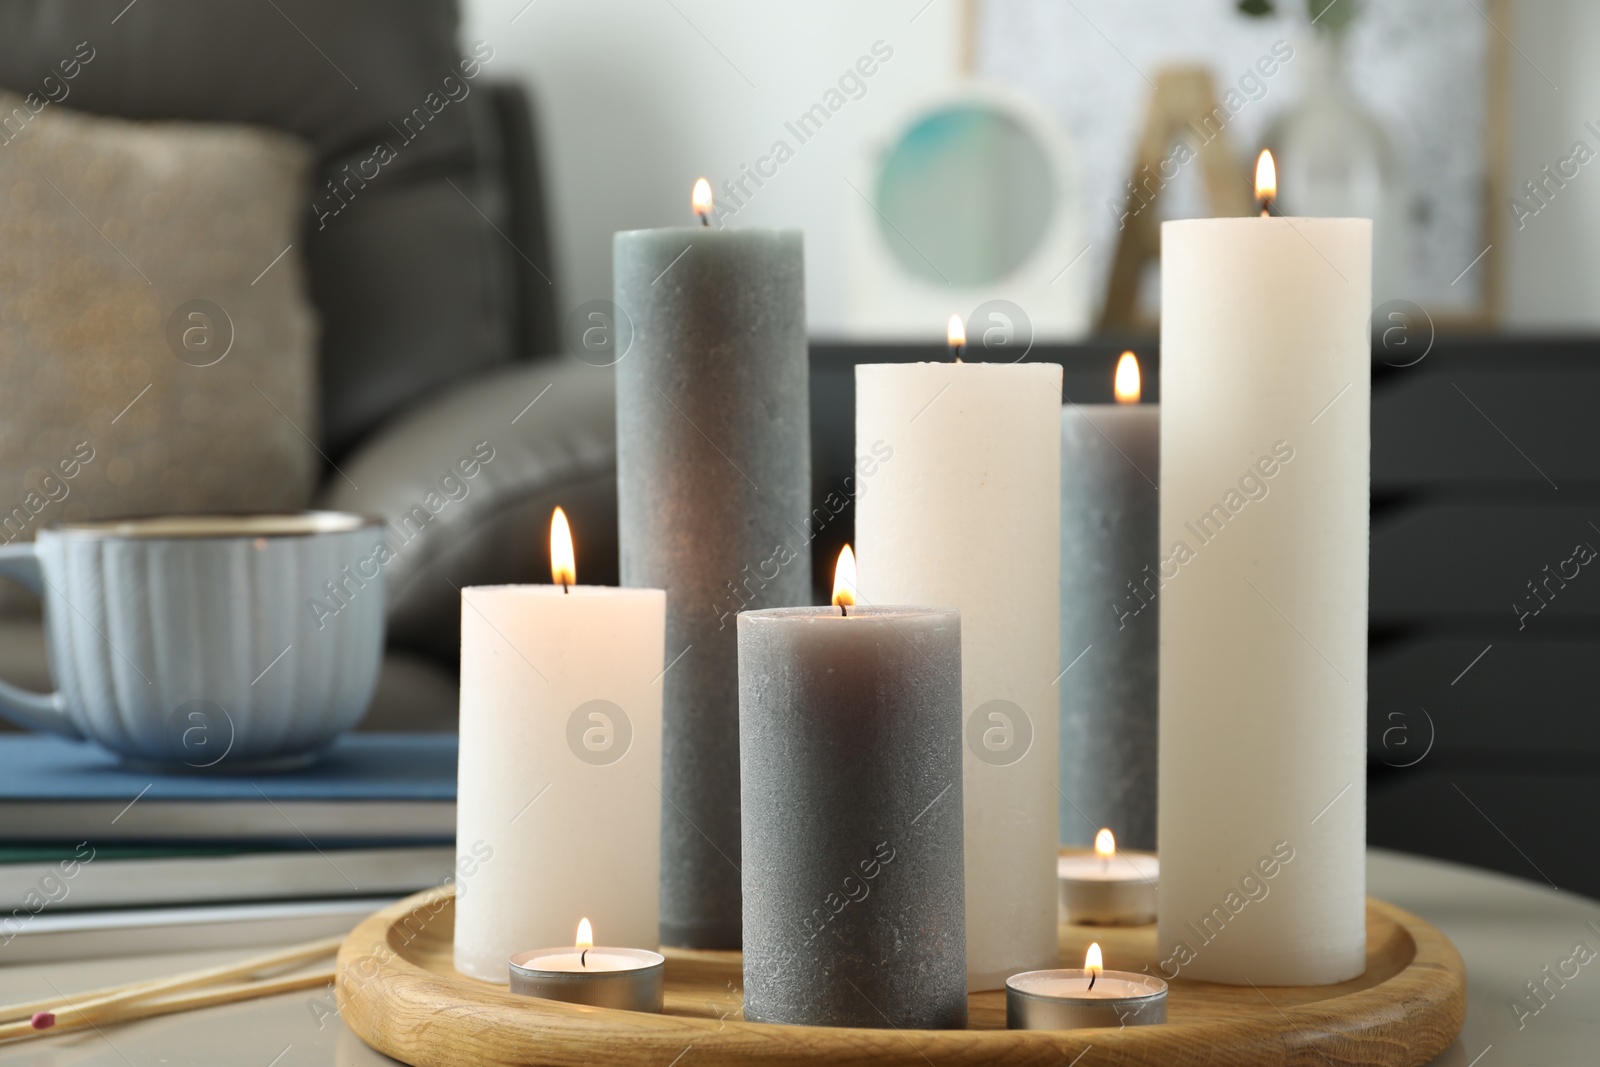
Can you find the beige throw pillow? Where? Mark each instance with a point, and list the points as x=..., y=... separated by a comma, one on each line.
x=157, y=346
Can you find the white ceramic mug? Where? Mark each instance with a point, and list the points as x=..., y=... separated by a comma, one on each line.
x=224, y=642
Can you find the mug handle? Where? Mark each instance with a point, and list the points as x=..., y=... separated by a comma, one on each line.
x=45, y=712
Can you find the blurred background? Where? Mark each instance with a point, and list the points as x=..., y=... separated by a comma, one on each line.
x=1453, y=103
x=394, y=221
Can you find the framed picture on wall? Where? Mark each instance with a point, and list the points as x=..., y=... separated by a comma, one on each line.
x=1392, y=110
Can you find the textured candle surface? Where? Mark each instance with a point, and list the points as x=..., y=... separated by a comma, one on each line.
x=1265, y=402
x=713, y=491
x=1109, y=511
x=556, y=819
x=968, y=516
x=850, y=735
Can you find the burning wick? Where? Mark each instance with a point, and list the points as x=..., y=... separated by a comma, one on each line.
x=701, y=200
x=955, y=334
x=584, y=942
x=1125, y=385
x=1266, y=182
x=844, y=581
x=1105, y=846
x=1092, y=962
x=563, y=561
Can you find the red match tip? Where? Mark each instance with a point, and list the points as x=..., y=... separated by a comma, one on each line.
x=44, y=1020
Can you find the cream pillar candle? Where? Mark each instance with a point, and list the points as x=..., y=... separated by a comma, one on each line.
x=560, y=747
x=967, y=516
x=1265, y=397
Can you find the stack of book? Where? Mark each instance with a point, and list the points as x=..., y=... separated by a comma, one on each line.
x=100, y=859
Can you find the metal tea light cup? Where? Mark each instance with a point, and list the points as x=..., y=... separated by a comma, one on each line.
x=631, y=988
x=1061, y=1000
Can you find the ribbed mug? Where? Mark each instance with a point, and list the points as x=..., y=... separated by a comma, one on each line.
x=226, y=642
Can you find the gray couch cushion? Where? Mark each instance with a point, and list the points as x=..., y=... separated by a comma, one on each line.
x=413, y=281
x=468, y=482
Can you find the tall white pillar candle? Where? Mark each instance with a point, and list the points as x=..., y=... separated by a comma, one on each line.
x=1265, y=401
x=967, y=516
x=557, y=816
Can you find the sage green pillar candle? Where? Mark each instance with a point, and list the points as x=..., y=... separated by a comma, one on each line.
x=713, y=489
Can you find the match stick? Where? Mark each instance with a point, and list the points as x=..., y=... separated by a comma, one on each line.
x=121, y=1010
x=52, y=1012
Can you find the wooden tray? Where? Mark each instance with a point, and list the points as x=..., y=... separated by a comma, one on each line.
x=399, y=992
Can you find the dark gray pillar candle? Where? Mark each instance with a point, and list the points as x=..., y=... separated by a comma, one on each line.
x=713, y=483
x=1110, y=456
x=850, y=748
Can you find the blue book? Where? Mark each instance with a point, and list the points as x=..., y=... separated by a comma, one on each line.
x=370, y=789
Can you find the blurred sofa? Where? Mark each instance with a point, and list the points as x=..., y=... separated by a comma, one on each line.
x=434, y=287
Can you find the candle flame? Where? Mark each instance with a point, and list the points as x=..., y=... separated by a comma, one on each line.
x=585, y=938
x=563, y=563
x=955, y=332
x=1266, y=179
x=1105, y=845
x=844, y=579
x=1091, y=959
x=1127, y=386
x=701, y=197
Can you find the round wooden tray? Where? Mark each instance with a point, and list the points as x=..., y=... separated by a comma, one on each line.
x=399, y=992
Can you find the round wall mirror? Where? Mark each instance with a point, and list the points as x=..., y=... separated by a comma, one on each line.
x=965, y=196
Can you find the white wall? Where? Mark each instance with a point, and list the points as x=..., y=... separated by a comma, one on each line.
x=636, y=102
x=1553, y=280
x=639, y=97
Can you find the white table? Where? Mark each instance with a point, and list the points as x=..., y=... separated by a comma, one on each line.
x=1506, y=928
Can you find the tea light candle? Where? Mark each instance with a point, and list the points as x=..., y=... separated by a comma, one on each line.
x=1108, y=888
x=1073, y=998
x=626, y=978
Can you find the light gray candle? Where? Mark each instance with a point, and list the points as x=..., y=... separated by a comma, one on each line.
x=713, y=483
x=1110, y=458
x=850, y=744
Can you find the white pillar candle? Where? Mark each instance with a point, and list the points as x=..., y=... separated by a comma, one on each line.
x=1265, y=397
x=557, y=813
x=967, y=516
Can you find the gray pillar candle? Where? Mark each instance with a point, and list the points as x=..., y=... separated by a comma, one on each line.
x=850, y=746
x=713, y=482
x=1110, y=458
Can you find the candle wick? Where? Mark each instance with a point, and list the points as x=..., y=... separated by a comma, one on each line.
x=955, y=353
x=566, y=586
x=703, y=220
x=843, y=612
x=583, y=959
x=1266, y=207
x=1092, y=976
